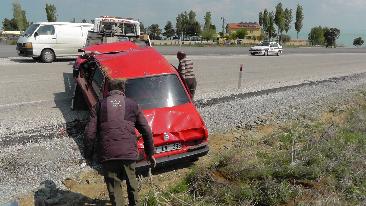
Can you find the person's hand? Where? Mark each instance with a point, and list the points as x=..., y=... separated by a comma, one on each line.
x=152, y=161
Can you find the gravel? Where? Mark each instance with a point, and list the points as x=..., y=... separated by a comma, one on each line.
x=48, y=155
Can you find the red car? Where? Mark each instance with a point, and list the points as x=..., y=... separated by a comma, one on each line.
x=179, y=131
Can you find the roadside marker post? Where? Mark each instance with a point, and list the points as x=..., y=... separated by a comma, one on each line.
x=240, y=76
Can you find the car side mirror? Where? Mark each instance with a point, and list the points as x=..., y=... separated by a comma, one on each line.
x=36, y=34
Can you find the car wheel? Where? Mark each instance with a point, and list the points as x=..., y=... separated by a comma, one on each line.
x=278, y=53
x=78, y=101
x=266, y=53
x=47, y=56
x=252, y=54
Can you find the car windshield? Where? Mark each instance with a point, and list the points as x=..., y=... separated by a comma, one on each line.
x=264, y=44
x=157, y=91
x=30, y=30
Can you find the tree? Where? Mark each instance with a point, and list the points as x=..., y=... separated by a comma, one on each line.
x=279, y=19
x=9, y=25
x=209, y=30
x=181, y=24
x=20, y=17
x=84, y=21
x=154, y=31
x=299, y=19
x=208, y=34
x=208, y=22
x=271, y=31
x=316, y=36
x=241, y=33
x=51, y=12
x=331, y=35
x=260, y=18
x=169, y=30
x=358, y=42
x=285, y=38
x=194, y=28
x=288, y=19
x=265, y=21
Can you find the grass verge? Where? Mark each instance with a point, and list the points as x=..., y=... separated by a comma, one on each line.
x=308, y=162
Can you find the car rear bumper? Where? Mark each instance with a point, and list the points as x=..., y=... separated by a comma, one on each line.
x=193, y=152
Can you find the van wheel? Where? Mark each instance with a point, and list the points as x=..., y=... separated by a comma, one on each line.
x=47, y=56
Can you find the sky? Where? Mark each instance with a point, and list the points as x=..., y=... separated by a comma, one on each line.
x=347, y=15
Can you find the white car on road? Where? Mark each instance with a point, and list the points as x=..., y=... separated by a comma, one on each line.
x=266, y=48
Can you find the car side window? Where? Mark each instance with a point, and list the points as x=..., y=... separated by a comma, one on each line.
x=46, y=30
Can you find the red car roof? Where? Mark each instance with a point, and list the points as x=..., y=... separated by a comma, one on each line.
x=111, y=47
x=134, y=63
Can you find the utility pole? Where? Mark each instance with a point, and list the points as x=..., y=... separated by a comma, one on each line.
x=223, y=25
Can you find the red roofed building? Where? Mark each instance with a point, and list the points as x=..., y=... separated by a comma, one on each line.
x=253, y=28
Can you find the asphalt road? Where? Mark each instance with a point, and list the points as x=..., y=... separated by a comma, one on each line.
x=9, y=50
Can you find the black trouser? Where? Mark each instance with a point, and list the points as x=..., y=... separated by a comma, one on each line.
x=191, y=84
x=114, y=173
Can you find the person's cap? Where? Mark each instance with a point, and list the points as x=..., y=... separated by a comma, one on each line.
x=181, y=53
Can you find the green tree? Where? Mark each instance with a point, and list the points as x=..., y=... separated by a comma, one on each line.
x=358, y=42
x=331, y=35
x=181, y=24
x=208, y=22
x=241, y=33
x=279, y=19
x=285, y=38
x=51, y=12
x=9, y=25
x=208, y=34
x=84, y=21
x=265, y=22
x=209, y=30
x=20, y=16
x=271, y=31
x=288, y=19
x=154, y=31
x=169, y=30
x=194, y=28
x=260, y=18
x=299, y=19
x=316, y=36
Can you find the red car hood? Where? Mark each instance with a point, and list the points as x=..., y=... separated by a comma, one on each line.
x=173, y=119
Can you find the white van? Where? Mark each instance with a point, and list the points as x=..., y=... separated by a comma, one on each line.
x=47, y=40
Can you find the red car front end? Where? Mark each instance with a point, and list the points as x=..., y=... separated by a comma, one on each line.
x=178, y=129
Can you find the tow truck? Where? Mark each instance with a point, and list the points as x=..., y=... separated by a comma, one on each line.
x=108, y=29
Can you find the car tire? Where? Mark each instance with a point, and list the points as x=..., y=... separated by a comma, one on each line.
x=78, y=101
x=266, y=53
x=278, y=53
x=252, y=54
x=47, y=56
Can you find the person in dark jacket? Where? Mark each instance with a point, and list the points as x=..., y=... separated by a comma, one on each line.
x=185, y=70
x=111, y=131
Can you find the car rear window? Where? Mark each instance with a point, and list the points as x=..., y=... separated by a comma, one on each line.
x=157, y=91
